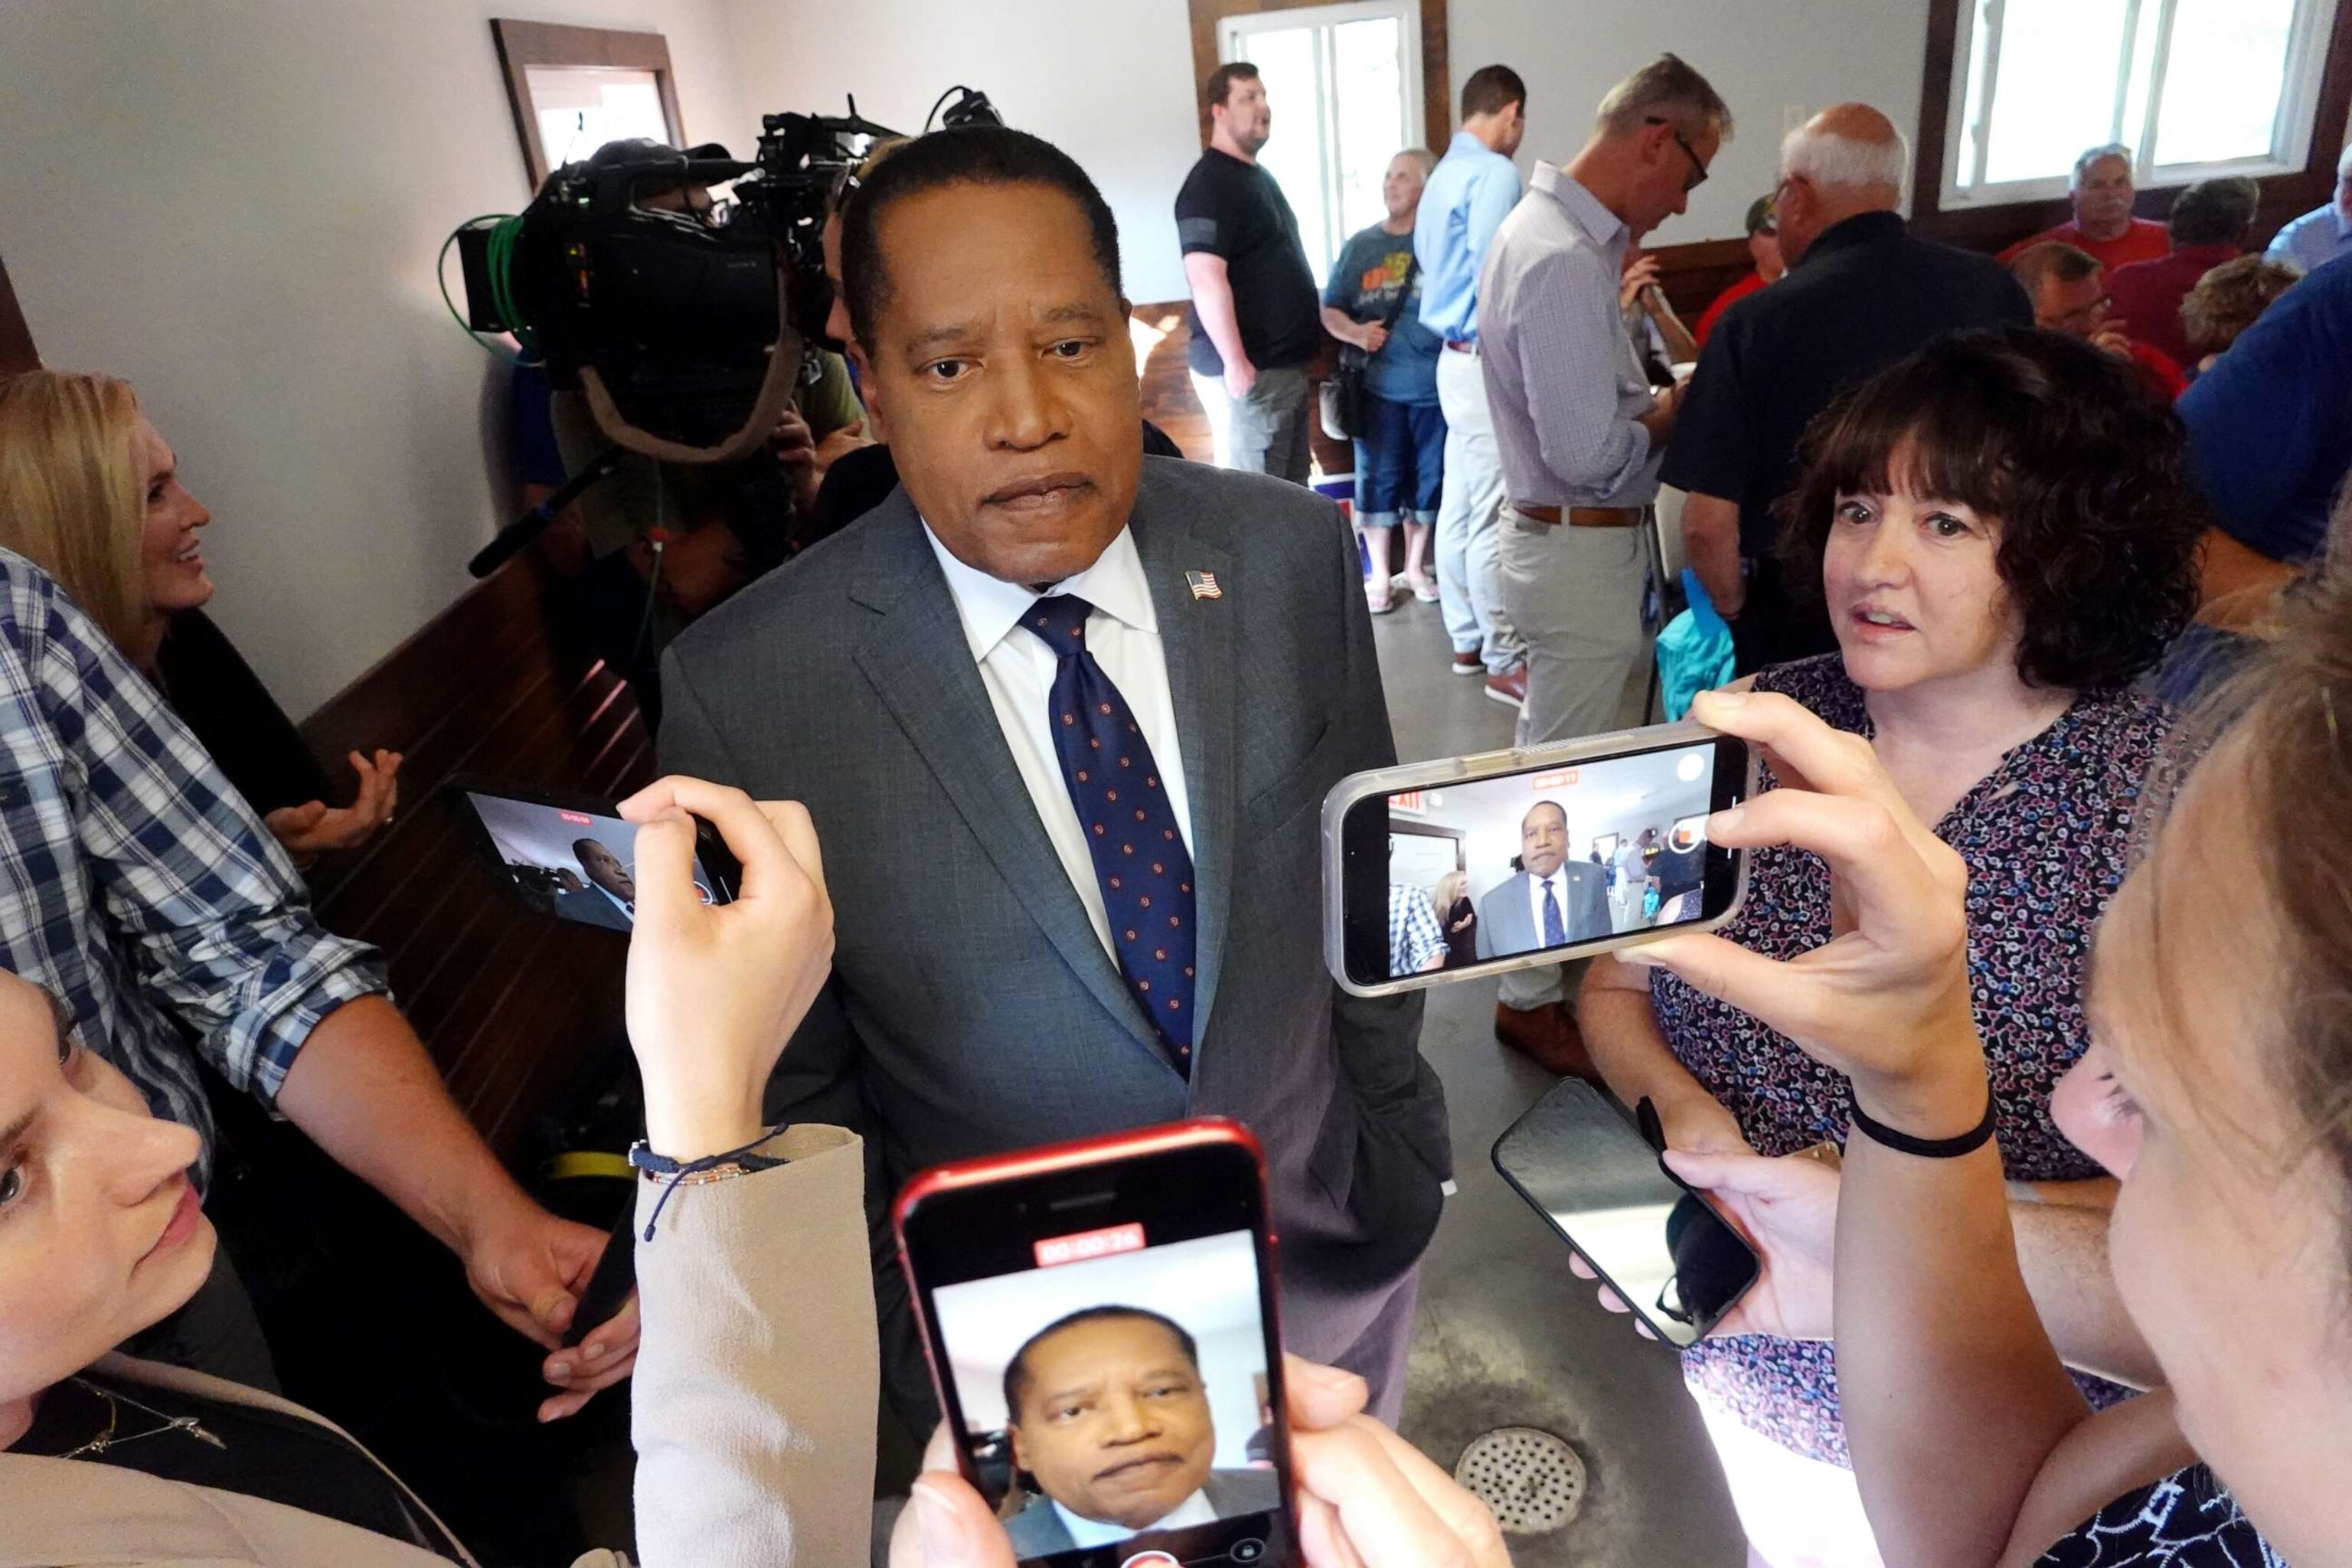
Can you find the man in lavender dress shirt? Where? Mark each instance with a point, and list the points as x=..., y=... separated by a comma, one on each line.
x=1579, y=434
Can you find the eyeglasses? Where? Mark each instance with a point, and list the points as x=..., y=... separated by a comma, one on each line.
x=1698, y=168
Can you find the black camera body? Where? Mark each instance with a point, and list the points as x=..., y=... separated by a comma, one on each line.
x=682, y=320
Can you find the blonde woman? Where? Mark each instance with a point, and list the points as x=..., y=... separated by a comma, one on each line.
x=1456, y=917
x=90, y=492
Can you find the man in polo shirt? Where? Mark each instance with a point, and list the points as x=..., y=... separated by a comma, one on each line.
x=2209, y=225
x=1257, y=313
x=2101, y=193
x=2325, y=233
x=1861, y=293
x=1579, y=433
x=1471, y=190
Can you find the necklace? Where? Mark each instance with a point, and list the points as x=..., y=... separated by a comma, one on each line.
x=112, y=1438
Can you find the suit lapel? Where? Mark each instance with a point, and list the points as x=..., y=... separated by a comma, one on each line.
x=1197, y=637
x=916, y=656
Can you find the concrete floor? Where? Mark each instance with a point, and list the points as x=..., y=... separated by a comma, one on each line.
x=1505, y=1336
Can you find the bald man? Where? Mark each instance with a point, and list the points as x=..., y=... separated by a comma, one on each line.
x=1861, y=292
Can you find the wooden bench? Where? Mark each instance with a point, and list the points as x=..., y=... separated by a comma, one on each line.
x=502, y=685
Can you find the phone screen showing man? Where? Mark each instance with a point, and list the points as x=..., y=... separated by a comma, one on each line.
x=575, y=864
x=1548, y=857
x=1118, y=1388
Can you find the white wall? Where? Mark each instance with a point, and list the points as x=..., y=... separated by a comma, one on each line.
x=238, y=206
x=1767, y=60
x=1108, y=82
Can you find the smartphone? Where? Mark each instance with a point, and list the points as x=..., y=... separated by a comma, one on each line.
x=1598, y=1180
x=1101, y=1324
x=1471, y=866
x=573, y=857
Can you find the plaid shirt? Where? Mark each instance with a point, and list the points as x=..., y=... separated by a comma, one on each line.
x=1414, y=937
x=136, y=884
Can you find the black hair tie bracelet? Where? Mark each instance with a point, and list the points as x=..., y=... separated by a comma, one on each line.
x=1968, y=1143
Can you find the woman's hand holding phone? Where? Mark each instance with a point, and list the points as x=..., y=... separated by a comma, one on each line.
x=1886, y=1001
x=716, y=990
x=1367, y=1499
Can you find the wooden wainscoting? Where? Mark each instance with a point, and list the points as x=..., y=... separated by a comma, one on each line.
x=501, y=685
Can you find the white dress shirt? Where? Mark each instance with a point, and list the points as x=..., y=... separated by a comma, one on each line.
x=1558, y=883
x=1566, y=390
x=1017, y=668
x=1086, y=1532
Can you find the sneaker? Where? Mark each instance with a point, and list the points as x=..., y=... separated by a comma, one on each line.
x=1511, y=690
x=1470, y=663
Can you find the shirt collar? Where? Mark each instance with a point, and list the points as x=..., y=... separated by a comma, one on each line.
x=1469, y=146
x=1862, y=228
x=989, y=607
x=1087, y=1533
x=1582, y=205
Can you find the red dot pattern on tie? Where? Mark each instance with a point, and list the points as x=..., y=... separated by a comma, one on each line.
x=1158, y=971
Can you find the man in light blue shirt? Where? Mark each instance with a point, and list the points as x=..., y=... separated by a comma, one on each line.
x=1470, y=191
x=2319, y=237
x=1581, y=434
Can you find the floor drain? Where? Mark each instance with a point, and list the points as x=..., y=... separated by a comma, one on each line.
x=1532, y=1480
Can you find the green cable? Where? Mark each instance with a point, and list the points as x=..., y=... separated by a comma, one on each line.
x=505, y=228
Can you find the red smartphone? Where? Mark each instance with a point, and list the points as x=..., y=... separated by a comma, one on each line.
x=1101, y=1324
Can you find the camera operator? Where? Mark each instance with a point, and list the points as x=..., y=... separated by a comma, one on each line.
x=667, y=542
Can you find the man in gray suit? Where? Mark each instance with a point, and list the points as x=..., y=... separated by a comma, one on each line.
x=1554, y=901
x=1110, y=1419
x=610, y=898
x=1065, y=717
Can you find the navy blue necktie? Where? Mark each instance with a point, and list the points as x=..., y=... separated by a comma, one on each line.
x=1555, y=933
x=1140, y=862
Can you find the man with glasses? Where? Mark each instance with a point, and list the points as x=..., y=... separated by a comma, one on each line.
x=1861, y=292
x=1579, y=434
x=2069, y=291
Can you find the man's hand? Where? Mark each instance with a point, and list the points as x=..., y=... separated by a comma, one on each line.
x=715, y=990
x=307, y=829
x=529, y=1268
x=1366, y=1497
x=1240, y=376
x=1660, y=420
x=2111, y=337
x=1640, y=272
x=1374, y=338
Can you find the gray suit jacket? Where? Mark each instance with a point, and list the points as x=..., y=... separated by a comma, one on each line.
x=752, y=1407
x=591, y=907
x=973, y=1008
x=1507, y=923
x=1038, y=1531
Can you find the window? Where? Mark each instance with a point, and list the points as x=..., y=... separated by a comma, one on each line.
x=581, y=108
x=2194, y=87
x=1344, y=83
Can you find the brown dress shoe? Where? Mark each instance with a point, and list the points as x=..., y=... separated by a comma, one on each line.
x=1547, y=1037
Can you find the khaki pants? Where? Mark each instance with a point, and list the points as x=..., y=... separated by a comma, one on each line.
x=1575, y=596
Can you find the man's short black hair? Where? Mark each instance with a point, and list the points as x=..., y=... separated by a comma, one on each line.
x=1219, y=88
x=1491, y=89
x=964, y=155
x=2215, y=212
x=2087, y=476
x=1016, y=1370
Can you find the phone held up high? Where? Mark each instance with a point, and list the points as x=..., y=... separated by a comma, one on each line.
x=1101, y=1325
x=1472, y=866
x=573, y=855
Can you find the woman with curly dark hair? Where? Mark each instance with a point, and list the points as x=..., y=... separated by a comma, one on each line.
x=2005, y=535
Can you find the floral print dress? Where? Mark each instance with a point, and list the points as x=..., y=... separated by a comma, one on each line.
x=2046, y=837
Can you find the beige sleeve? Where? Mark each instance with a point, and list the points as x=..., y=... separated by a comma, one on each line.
x=755, y=1388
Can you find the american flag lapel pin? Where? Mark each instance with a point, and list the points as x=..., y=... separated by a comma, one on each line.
x=1204, y=584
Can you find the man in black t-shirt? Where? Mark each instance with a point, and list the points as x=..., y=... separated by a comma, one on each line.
x=1254, y=305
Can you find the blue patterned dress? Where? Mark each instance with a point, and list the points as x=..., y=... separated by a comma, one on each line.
x=2046, y=836
x=2189, y=1519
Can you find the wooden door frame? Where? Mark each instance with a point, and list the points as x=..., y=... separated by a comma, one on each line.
x=1436, y=77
